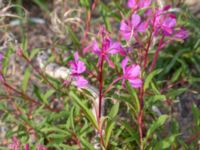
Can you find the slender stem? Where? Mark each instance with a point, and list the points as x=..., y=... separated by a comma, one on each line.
x=140, y=116
x=156, y=53
x=37, y=71
x=100, y=87
x=149, y=43
x=88, y=19
x=78, y=141
x=29, y=99
x=94, y=4
x=101, y=136
x=110, y=86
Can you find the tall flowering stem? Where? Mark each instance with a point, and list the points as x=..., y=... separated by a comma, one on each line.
x=140, y=116
x=100, y=87
x=156, y=53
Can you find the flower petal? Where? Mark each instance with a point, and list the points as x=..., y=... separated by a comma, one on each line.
x=132, y=3
x=144, y=3
x=133, y=71
x=114, y=48
x=81, y=82
x=135, y=20
x=124, y=63
x=181, y=34
x=110, y=63
x=136, y=83
x=95, y=48
x=80, y=67
x=76, y=57
x=142, y=27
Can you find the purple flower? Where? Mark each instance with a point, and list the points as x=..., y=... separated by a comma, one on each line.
x=164, y=22
x=131, y=73
x=129, y=28
x=138, y=3
x=78, y=67
x=181, y=34
x=108, y=47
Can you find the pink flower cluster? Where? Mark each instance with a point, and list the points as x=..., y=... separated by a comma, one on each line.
x=110, y=47
x=159, y=22
x=78, y=67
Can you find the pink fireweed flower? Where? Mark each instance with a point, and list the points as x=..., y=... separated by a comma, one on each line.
x=77, y=68
x=15, y=144
x=132, y=74
x=41, y=147
x=163, y=21
x=134, y=4
x=130, y=28
x=181, y=34
x=108, y=48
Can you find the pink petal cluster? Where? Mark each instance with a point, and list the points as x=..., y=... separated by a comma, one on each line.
x=134, y=4
x=41, y=147
x=78, y=67
x=130, y=27
x=15, y=144
x=105, y=50
x=164, y=22
x=131, y=73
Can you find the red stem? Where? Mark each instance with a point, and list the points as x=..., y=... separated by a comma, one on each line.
x=110, y=86
x=100, y=87
x=156, y=53
x=148, y=46
x=140, y=117
x=29, y=99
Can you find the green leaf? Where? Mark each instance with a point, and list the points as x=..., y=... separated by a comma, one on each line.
x=174, y=59
x=72, y=118
x=49, y=93
x=43, y=5
x=39, y=94
x=196, y=114
x=153, y=99
x=134, y=96
x=86, y=144
x=85, y=3
x=155, y=125
x=26, y=79
x=166, y=143
x=111, y=123
x=108, y=132
x=34, y=52
x=173, y=93
x=150, y=77
x=86, y=111
x=6, y=60
x=73, y=37
x=114, y=110
x=176, y=75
